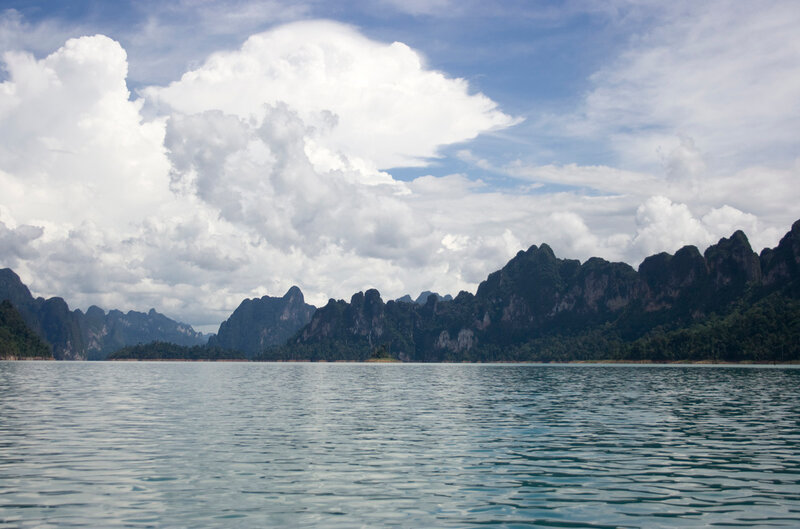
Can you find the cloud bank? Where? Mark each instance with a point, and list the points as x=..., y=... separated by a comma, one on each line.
x=271, y=165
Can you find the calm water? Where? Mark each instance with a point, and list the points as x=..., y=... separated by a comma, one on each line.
x=349, y=445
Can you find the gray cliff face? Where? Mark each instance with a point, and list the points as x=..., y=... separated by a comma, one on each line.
x=783, y=262
x=260, y=323
x=669, y=278
x=367, y=315
x=106, y=333
x=732, y=263
x=73, y=335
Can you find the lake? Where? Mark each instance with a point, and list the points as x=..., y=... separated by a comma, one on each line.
x=207, y=445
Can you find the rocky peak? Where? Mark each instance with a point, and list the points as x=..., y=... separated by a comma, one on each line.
x=294, y=295
x=670, y=277
x=13, y=289
x=532, y=275
x=783, y=262
x=372, y=298
x=732, y=262
x=366, y=312
x=260, y=323
x=95, y=312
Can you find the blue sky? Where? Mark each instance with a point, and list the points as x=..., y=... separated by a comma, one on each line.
x=186, y=155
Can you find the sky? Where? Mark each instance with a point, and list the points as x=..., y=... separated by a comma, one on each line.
x=186, y=155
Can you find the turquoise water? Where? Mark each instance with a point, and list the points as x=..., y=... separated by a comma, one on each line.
x=362, y=445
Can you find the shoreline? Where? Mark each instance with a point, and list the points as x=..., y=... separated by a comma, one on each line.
x=398, y=362
x=27, y=359
x=166, y=360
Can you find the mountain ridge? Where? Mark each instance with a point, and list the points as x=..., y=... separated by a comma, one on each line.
x=74, y=335
x=537, y=307
x=523, y=310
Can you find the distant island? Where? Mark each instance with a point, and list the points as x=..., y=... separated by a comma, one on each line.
x=727, y=304
x=169, y=351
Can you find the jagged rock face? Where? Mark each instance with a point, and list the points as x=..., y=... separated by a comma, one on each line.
x=782, y=263
x=324, y=321
x=670, y=278
x=532, y=275
x=537, y=294
x=62, y=329
x=13, y=289
x=602, y=287
x=366, y=314
x=260, y=323
x=535, y=287
x=359, y=327
x=106, y=333
x=50, y=319
x=73, y=335
x=363, y=317
x=523, y=292
x=423, y=298
x=464, y=341
x=732, y=262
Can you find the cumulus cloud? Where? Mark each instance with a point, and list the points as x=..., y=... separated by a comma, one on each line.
x=369, y=100
x=78, y=162
x=268, y=166
x=665, y=225
x=72, y=138
x=260, y=178
x=191, y=212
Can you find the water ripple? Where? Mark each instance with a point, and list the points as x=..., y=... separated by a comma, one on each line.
x=332, y=445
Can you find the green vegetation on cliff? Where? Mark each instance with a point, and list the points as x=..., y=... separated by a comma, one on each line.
x=17, y=340
x=171, y=351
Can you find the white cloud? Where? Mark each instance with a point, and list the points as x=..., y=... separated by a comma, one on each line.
x=263, y=170
x=260, y=178
x=369, y=100
x=684, y=161
x=700, y=109
x=726, y=220
x=194, y=212
x=663, y=225
x=722, y=73
x=70, y=137
x=15, y=242
x=598, y=177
